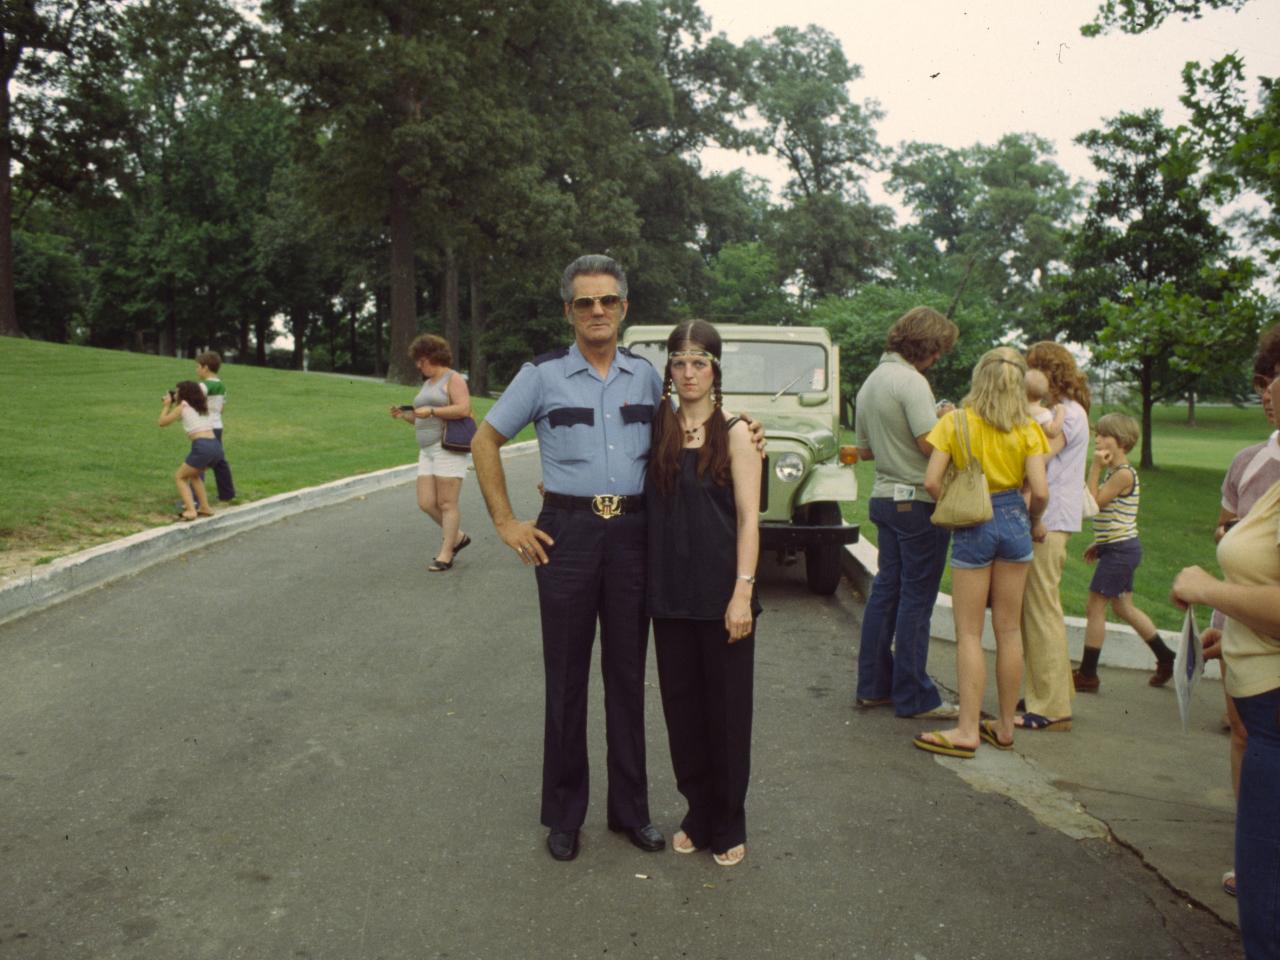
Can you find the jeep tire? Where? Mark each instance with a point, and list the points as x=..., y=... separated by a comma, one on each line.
x=822, y=561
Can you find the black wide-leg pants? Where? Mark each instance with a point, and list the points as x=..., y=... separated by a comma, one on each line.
x=707, y=700
x=596, y=574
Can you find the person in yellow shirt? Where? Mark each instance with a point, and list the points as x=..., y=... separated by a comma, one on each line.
x=992, y=558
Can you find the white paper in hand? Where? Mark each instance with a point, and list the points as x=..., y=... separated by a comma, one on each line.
x=1188, y=665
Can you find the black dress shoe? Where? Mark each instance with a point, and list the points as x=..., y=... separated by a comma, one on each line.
x=563, y=844
x=647, y=838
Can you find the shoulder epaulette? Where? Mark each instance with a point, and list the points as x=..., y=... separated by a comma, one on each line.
x=628, y=352
x=556, y=354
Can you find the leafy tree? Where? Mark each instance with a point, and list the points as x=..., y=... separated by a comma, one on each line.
x=858, y=325
x=1243, y=143
x=831, y=238
x=1138, y=16
x=1149, y=221
x=1149, y=250
x=58, y=116
x=391, y=96
x=995, y=217
x=743, y=287
x=1171, y=340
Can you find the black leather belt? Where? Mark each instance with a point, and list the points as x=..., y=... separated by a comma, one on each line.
x=606, y=505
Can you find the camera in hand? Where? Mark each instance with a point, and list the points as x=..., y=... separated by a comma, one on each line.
x=406, y=407
x=173, y=396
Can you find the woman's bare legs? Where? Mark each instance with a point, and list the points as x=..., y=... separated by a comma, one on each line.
x=427, y=502
x=438, y=498
x=1008, y=581
x=448, y=491
x=1004, y=582
x=969, y=606
x=191, y=489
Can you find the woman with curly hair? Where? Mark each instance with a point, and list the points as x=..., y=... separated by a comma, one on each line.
x=444, y=396
x=990, y=560
x=1049, y=687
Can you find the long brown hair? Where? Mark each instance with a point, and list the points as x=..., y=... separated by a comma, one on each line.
x=190, y=392
x=1066, y=382
x=667, y=445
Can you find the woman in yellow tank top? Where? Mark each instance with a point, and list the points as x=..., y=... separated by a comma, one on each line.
x=992, y=558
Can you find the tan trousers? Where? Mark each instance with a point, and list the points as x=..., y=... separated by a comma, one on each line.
x=1044, y=632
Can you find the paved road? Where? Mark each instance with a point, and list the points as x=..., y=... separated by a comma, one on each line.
x=298, y=744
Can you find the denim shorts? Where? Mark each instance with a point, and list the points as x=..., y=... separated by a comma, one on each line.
x=1116, y=563
x=205, y=452
x=1006, y=536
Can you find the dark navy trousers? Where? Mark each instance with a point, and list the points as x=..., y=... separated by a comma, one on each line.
x=596, y=574
x=222, y=474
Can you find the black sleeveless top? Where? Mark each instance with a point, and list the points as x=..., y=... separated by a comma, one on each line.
x=693, y=546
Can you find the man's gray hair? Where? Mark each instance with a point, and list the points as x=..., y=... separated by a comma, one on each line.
x=592, y=264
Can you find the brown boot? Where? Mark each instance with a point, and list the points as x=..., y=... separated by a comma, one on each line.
x=1164, y=671
x=1085, y=684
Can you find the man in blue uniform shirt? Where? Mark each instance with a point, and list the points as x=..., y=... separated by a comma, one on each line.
x=592, y=404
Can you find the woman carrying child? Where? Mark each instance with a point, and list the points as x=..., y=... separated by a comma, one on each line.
x=990, y=559
x=188, y=403
x=1117, y=551
x=702, y=497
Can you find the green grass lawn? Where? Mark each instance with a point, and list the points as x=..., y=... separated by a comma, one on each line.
x=1180, y=501
x=82, y=460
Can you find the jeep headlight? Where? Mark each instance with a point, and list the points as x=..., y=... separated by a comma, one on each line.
x=789, y=467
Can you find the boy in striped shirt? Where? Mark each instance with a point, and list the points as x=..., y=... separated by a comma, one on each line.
x=207, y=366
x=1117, y=551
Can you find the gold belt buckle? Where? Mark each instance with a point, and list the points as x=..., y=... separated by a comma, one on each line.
x=606, y=505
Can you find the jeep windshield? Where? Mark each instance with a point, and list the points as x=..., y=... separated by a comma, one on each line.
x=759, y=366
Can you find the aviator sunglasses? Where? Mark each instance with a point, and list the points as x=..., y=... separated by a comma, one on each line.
x=609, y=301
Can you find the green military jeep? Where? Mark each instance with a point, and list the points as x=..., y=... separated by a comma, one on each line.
x=788, y=377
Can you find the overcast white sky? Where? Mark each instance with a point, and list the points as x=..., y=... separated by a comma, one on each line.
x=1003, y=66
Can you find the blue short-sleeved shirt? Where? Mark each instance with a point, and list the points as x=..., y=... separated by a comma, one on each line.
x=593, y=434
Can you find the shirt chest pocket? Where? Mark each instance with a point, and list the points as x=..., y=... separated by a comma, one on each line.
x=637, y=428
x=572, y=434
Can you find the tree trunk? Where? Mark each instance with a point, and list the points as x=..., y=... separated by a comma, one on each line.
x=1191, y=408
x=379, y=312
x=404, y=322
x=333, y=339
x=452, y=311
x=478, y=372
x=1147, y=462
x=261, y=331
x=168, y=345
x=242, y=347
x=9, y=325
x=352, y=313
x=299, y=324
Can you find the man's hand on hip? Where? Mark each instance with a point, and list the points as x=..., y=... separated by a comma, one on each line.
x=526, y=540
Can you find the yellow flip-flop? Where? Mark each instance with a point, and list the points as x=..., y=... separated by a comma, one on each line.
x=943, y=746
x=987, y=730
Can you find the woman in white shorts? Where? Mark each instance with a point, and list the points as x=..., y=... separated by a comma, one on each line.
x=444, y=396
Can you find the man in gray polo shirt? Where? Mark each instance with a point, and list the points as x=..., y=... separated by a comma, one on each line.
x=895, y=410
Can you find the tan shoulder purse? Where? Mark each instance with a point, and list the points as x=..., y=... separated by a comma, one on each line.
x=966, y=498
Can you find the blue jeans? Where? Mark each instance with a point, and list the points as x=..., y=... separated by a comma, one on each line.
x=1258, y=827
x=894, y=648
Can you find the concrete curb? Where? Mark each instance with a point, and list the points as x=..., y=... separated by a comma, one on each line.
x=74, y=574
x=1123, y=647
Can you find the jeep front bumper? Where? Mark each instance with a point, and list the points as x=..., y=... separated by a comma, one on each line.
x=791, y=536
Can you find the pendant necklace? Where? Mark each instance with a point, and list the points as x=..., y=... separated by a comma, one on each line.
x=691, y=434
